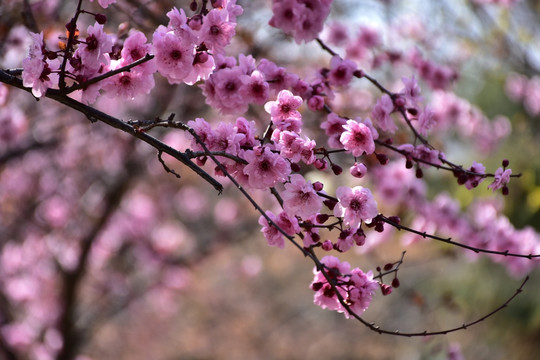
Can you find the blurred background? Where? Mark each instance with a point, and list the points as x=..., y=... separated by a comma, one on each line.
x=104, y=255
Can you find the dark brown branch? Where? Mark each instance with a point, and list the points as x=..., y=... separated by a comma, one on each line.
x=108, y=74
x=72, y=30
x=72, y=279
x=451, y=242
x=22, y=149
x=167, y=169
x=379, y=330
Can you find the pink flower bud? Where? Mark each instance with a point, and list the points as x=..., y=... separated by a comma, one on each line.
x=358, y=170
x=327, y=245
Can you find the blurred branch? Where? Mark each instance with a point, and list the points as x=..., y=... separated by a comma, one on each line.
x=72, y=279
x=94, y=115
x=25, y=147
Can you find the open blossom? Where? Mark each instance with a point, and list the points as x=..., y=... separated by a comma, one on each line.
x=256, y=88
x=333, y=128
x=216, y=32
x=355, y=205
x=361, y=292
x=174, y=56
x=341, y=71
x=357, y=138
x=265, y=168
x=474, y=180
x=283, y=111
x=223, y=90
x=502, y=177
x=299, y=197
x=287, y=223
x=411, y=93
x=381, y=113
x=136, y=47
x=294, y=148
x=96, y=47
x=37, y=75
x=129, y=84
x=203, y=130
x=426, y=120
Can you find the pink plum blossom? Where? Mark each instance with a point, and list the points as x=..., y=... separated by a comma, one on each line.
x=216, y=32
x=96, y=47
x=37, y=75
x=203, y=66
x=256, y=89
x=355, y=205
x=502, y=177
x=265, y=168
x=361, y=292
x=129, y=84
x=294, y=148
x=333, y=128
x=411, y=92
x=277, y=77
x=357, y=138
x=289, y=224
x=223, y=90
x=426, y=120
x=325, y=296
x=174, y=56
x=283, y=111
x=381, y=113
x=299, y=198
x=474, y=180
x=341, y=71
x=135, y=48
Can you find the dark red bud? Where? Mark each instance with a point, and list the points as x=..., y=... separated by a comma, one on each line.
x=419, y=173
x=193, y=5
x=505, y=190
x=330, y=204
x=321, y=218
x=388, y=266
x=337, y=169
x=395, y=219
x=505, y=163
x=412, y=111
x=201, y=160
x=317, y=286
x=395, y=283
x=408, y=163
x=462, y=179
x=400, y=101
x=101, y=18
x=383, y=159
x=318, y=186
x=295, y=167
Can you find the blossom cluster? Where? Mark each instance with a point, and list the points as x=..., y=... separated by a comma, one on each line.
x=303, y=19
x=355, y=287
x=292, y=152
x=184, y=52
